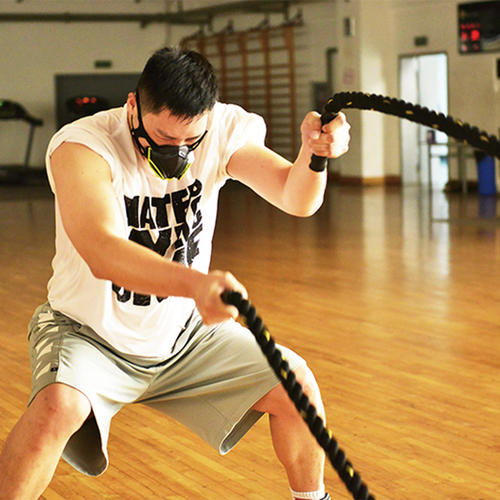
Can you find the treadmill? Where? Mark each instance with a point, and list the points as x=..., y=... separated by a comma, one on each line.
x=10, y=110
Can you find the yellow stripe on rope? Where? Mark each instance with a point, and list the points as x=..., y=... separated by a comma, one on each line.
x=350, y=470
x=284, y=373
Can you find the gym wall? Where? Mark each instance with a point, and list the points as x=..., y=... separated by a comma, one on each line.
x=366, y=59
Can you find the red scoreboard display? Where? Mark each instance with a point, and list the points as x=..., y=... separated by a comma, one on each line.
x=479, y=27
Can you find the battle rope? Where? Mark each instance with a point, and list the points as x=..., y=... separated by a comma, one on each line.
x=323, y=436
x=454, y=128
x=358, y=100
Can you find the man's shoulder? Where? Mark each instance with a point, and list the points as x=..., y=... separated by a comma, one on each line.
x=103, y=133
x=103, y=128
x=223, y=108
x=227, y=116
x=106, y=120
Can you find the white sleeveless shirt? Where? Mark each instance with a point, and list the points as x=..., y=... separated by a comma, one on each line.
x=175, y=218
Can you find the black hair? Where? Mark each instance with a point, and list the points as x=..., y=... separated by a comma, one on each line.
x=182, y=81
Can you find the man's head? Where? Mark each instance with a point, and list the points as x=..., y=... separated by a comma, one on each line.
x=168, y=112
x=182, y=81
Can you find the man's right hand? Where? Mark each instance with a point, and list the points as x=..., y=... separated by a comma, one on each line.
x=208, y=296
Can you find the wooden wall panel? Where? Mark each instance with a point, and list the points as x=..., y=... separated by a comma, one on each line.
x=257, y=70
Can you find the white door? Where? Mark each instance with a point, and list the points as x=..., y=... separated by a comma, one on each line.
x=424, y=80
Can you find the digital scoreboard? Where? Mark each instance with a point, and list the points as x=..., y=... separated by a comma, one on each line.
x=479, y=27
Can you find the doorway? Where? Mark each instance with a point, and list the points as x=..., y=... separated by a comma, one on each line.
x=423, y=80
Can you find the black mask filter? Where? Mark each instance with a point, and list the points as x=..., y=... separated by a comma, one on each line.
x=167, y=162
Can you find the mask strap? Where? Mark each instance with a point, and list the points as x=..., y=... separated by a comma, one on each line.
x=133, y=133
x=140, y=129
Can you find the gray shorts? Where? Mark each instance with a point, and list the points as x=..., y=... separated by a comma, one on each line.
x=209, y=386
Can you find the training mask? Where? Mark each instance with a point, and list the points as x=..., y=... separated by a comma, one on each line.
x=167, y=162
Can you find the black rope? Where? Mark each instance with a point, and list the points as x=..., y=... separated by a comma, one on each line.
x=454, y=128
x=457, y=129
x=307, y=410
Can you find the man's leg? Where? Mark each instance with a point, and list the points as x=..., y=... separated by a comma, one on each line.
x=34, y=446
x=295, y=446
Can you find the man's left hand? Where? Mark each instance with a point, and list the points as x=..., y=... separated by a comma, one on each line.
x=330, y=140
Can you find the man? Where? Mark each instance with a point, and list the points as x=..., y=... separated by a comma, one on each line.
x=133, y=312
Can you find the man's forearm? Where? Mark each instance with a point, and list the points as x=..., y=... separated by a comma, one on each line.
x=304, y=188
x=137, y=268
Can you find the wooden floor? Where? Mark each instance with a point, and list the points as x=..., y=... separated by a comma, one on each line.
x=392, y=297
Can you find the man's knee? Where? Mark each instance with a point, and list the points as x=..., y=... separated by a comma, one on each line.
x=277, y=401
x=60, y=409
x=309, y=385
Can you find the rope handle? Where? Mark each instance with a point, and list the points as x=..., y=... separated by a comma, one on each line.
x=457, y=129
x=307, y=410
x=319, y=163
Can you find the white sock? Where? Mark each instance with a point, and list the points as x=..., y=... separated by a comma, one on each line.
x=309, y=495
